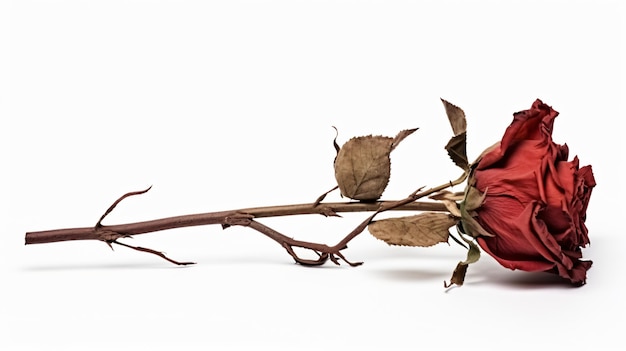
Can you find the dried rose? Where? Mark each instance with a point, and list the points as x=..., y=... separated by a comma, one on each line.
x=533, y=201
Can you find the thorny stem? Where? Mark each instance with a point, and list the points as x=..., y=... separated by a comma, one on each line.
x=246, y=217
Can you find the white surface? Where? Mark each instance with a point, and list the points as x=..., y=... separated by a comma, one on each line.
x=223, y=105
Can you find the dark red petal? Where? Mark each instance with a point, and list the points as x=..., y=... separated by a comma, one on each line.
x=533, y=124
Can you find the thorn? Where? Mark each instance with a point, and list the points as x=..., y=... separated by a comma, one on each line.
x=323, y=196
x=329, y=212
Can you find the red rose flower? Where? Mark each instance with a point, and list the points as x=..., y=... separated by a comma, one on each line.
x=534, y=201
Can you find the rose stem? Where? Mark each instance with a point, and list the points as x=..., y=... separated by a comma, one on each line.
x=222, y=217
x=245, y=217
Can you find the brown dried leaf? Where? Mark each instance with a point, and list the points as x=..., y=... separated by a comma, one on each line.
x=363, y=167
x=456, y=147
x=458, y=276
x=448, y=195
x=457, y=150
x=424, y=229
x=403, y=134
x=449, y=199
x=456, y=116
x=452, y=207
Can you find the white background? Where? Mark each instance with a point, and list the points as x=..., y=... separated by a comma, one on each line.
x=228, y=104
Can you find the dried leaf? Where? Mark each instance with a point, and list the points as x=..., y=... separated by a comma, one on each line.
x=473, y=254
x=449, y=199
x=363, y=166
x=456, y=147
x=424, y=229
x=456, y=116
x=474, y=198
x=458, y=276
x=457, y=150
x=448, y=195
x=403, y=134
x=471, y=226
x=452, y=207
